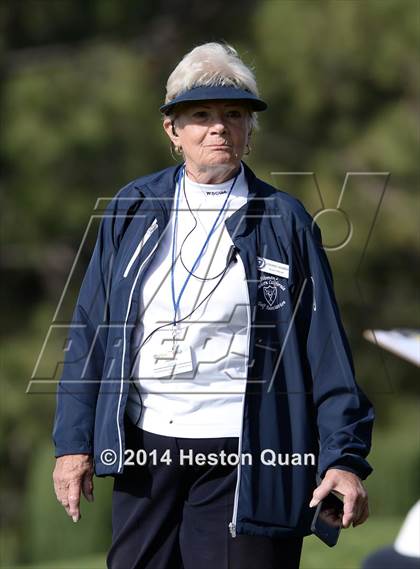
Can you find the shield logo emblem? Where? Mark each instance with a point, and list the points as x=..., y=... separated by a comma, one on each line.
x=270, y=294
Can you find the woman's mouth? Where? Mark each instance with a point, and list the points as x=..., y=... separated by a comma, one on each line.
x=219, y=145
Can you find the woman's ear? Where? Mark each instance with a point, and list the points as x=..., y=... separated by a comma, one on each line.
x=249, y=124
x=169, y=126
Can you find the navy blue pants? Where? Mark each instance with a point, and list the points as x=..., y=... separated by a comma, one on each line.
x=174, y=516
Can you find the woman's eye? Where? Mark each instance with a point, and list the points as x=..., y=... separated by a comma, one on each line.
x=204, y=115
x=234, y=114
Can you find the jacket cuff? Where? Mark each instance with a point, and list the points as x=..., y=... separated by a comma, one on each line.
x=351, y=463
x=73, y=448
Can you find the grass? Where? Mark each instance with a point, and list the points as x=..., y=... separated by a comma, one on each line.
x=354, y=545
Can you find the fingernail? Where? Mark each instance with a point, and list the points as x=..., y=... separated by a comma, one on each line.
x=75, y=518
x=313, y=503
x=90, y=497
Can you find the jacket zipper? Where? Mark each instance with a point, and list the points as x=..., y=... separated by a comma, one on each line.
x=130, y=298
x=232, y=524
x=313, y=294
x=140, y=246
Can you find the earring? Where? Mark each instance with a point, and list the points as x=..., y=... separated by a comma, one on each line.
x=177, y=149
x=171, y=150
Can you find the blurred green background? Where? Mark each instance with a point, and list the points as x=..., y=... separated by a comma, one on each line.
x=81, y=83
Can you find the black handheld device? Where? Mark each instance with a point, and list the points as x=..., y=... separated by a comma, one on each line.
x=326, y=523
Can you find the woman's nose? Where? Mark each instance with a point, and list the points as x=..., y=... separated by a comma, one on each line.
x=218, y=124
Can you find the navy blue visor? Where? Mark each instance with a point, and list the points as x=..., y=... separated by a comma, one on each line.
x=215, y=93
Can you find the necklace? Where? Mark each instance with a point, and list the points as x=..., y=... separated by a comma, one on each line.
x=205, y=229
x=176, y=301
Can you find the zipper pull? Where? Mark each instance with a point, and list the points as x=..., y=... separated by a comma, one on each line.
x=313, y=294
x=232, y=529
x=140, y=246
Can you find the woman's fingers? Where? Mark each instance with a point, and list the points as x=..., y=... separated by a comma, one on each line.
x=356, y=510
x=74, y=499
x=87, y=486
x=321, y=492
x=363, y=516
x=60, y=491
x=350, y=508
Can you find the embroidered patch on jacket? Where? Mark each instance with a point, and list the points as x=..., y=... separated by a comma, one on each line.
x=271, y=292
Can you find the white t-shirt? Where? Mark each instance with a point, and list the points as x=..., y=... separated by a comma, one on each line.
x=207, y=401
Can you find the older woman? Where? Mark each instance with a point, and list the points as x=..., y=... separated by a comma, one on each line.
x=208, y=370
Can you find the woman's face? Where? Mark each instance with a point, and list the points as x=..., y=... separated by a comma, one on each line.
x=212, y=134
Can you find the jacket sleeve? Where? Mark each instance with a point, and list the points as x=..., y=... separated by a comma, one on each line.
x=343, y=412
x=78, y=387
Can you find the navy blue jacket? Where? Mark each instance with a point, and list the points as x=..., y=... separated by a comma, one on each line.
x=301, y=394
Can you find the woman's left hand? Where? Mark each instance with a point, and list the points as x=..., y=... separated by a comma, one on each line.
x=356, y=507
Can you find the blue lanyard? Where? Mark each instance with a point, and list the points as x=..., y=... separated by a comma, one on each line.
x=175, y=302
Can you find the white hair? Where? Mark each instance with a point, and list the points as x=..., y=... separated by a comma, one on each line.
x=209, y=65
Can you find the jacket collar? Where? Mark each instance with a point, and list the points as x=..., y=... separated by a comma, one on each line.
x=162, y=187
